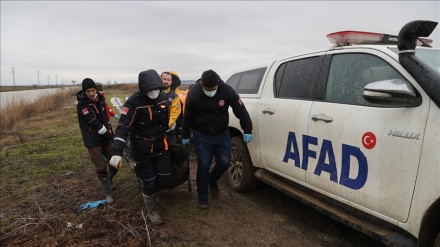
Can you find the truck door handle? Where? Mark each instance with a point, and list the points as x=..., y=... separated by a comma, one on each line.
x=322, y=117
x=268, y=110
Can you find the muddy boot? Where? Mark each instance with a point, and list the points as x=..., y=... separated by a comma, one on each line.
x=156, y=198
x=151, y=207
x=106, y=188
x=202, y=203
x=111, y=177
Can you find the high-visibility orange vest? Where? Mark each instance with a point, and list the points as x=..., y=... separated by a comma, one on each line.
x=182, y=97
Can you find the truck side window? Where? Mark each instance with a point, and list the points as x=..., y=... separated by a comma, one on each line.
x=349, y=73
x=233, y=81
x=299, y=79
x=247, y=82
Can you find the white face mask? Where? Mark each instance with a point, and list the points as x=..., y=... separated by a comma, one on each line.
x=210, y=94
x=153, y=94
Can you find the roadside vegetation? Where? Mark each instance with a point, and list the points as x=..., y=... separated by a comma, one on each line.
x=14, y=112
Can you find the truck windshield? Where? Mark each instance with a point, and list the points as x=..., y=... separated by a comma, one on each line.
x=429, y=56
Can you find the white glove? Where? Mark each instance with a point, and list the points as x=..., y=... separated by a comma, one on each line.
x=102, y=130
x=174, y=126
x=116, y=161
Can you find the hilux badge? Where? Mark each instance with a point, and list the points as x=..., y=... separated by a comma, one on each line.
x=409, y=135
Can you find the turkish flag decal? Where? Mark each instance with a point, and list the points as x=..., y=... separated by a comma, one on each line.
x=369, y=140
x=124, y=111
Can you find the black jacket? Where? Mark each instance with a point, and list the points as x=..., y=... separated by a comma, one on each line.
x=144, y=119
x=210, y=115
x=91, y=118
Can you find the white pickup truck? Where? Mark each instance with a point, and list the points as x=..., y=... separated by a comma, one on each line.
x=352, y=131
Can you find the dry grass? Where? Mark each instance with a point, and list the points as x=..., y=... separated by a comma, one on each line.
x=133, y=87
x=15, y=111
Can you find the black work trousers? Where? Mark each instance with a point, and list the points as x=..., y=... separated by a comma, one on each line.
x=154, y=170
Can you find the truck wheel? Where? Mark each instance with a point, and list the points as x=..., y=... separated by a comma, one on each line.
x=241, y=171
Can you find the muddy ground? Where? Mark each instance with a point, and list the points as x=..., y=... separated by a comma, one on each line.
x=48, y=216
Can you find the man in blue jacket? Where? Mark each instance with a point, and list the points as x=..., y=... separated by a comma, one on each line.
x=206, y=113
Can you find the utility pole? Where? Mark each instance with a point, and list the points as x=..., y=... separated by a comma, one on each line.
x=56, y=80
x=13, y=75
x=38, y=76
x=48, y=80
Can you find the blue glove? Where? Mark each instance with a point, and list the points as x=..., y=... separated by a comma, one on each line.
x=92, y=204
x=248, y=137
x=185, y=142
x=116, y=116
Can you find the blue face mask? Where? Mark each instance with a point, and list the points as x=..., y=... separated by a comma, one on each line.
x=210, y=94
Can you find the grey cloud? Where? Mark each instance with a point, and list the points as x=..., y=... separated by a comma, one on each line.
x=115, y=40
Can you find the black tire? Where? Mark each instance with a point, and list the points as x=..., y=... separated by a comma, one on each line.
x=240, y=173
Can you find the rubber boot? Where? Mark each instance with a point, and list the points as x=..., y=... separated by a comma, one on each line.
x=111, y=175
x=151, y=207
x=106, y=188
x=156, y=197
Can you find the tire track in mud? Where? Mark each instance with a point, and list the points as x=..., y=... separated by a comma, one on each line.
x=313, y=224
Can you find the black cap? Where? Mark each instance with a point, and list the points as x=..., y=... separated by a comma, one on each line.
x=88, y=83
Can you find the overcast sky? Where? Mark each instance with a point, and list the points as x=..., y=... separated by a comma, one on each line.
x=115, y=40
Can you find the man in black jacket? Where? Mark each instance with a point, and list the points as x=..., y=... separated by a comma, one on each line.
x=145, y=119
x=206, y=112
x=96, y=132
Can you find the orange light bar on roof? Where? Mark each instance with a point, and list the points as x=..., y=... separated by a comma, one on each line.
x=354, y=37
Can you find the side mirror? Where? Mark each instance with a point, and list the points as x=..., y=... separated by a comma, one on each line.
x=391, y=91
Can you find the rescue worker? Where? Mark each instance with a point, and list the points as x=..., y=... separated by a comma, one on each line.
x=172, y=81
x=110, y=113
x=206, y=112
x=145, y=118
x=97, y=134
